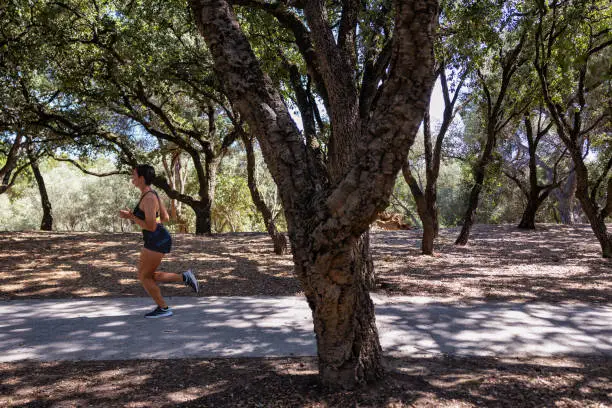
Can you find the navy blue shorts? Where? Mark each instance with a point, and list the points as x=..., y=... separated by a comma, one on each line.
x=158, y=240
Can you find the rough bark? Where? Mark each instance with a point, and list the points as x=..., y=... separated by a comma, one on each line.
x=328, y=211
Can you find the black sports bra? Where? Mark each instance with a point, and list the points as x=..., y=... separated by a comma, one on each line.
x=141, y=214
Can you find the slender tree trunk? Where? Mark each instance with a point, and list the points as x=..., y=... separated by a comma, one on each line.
x=528, y=219
x=278, y=238
x=595, y=215
x=573, y=132
x=425, y=208
x=47, y=219
x=599, y=227
x=495, y=123
x=535, y=200
x=536, y=194
x=565, y=199
x=10, y=162
x=470, y=212
x=431, y=227
x=202, y=213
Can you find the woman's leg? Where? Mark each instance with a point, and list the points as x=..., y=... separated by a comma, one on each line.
x=167, y=277
x=149, y=261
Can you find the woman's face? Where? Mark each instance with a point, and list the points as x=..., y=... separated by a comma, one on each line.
x=135, y=178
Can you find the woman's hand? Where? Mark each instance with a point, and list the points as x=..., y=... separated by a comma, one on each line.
x=125, y=214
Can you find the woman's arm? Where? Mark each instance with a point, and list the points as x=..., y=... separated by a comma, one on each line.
x=163, y=213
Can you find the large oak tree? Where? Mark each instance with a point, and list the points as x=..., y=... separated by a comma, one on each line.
x=329, y=204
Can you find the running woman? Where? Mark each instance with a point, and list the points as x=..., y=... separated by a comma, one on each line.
x=149, y=214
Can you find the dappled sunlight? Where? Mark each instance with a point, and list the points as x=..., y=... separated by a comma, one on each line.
x=274, y=326
x=281, y=382
x=494, y=329
x=101, y=329
x=554, y=263
x=105, y=264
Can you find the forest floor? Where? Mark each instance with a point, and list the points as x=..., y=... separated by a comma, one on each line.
x=553, y=264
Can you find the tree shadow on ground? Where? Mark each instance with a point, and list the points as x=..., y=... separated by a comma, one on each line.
x=293, y=382
x=494, y=329
x=553, y=264
x=74, y=265
x=98, y=329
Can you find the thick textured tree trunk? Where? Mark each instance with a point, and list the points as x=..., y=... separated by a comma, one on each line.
x=365, y=260
x=278, y=238
x=47, y=219
x=328, y=210
x=344, y=322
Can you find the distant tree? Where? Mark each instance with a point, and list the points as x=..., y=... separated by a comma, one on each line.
x=573, y=53
x=528, y=157
x=426, y=198
x=47, y=218
x=497, y=52
x=278, y=238
x=135, y=71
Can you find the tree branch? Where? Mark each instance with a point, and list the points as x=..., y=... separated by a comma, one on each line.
x=84, y=170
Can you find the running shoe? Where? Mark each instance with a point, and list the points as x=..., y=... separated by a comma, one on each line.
x=159, y=312
x=190, y=280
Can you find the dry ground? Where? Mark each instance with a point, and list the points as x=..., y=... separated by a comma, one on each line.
x=551, y=264
x=291, y=382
